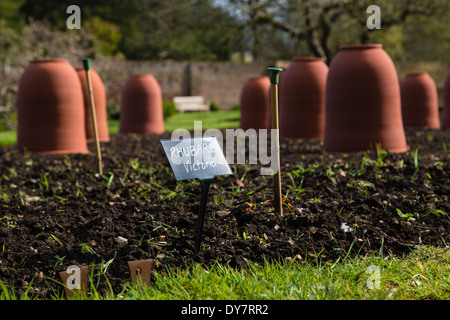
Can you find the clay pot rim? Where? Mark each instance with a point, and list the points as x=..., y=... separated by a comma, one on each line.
x=307, y=59
x=361, y=46
x=46, y=60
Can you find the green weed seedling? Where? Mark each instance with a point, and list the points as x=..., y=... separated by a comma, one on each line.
x=79, y=191
x=404, y=216
x=55, y=238
x=45, y=182
x=59, y=261
x=109, y=180
x=363, y=186
x=86, y=248
x=415, y=155
x=364, y=163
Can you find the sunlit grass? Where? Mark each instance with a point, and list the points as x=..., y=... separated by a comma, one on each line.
x=423, y=274
x=8, y=138
x=210, y=120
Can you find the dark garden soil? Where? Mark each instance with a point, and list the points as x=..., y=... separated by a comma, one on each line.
x=56, y=212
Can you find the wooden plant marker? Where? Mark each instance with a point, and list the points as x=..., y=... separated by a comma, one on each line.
x=87, y=66
x=74, y=280
x=140, y=271
x=197, y=158
x=274, y=77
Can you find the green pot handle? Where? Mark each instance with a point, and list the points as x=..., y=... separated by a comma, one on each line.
x=87, y=64
x=274, y=74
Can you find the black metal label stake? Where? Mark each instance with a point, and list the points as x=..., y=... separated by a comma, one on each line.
x=201, y=213
x=197, y=158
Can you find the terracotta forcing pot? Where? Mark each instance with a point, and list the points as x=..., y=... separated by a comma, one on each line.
x=445, y=120
x=419, y=101
x=363, y=104
x=302, y=99
x=141, y=106
x=50, y=108
x=255, y=103
x=98, y=90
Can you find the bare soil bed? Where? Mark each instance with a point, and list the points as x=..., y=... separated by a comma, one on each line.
x=55, y=211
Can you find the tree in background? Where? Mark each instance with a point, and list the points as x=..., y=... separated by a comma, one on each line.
x=318, y=28
x=106, y=21
x=215, y=29
x=152, y=29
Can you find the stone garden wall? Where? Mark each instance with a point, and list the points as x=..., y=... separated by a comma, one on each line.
x=218, y=82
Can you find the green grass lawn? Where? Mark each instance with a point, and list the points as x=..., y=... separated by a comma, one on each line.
x=423, y=274
x=8, y=138
x=210, y=120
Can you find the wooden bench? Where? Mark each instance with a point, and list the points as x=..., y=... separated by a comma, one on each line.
x=190, y=103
